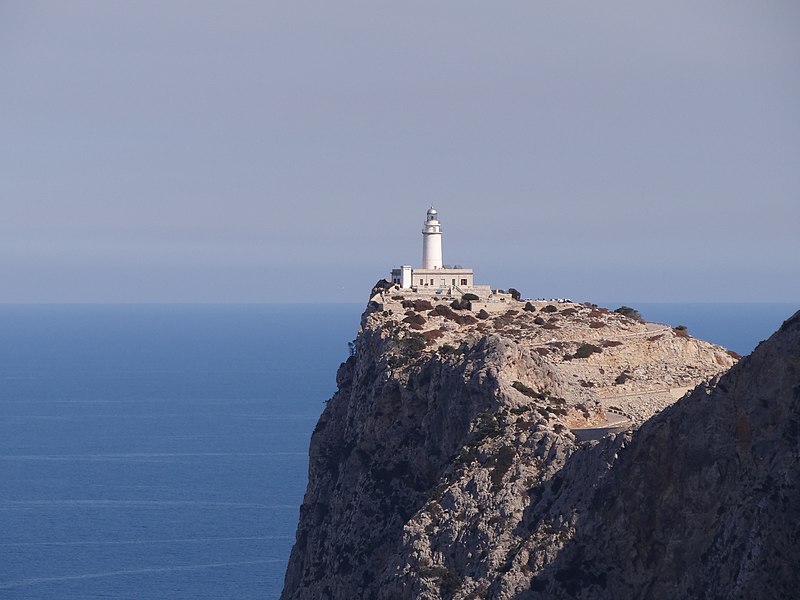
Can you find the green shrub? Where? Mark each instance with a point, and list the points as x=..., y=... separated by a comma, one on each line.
x=527, y=391
x=448, y=313
x=412, y=346
x=417, y=305
x=443, y=311
x=629, y=312
x=415, y=319
x=622, y=378
x=502, y=463
x=382, y=284
x=431, y=335
x=468, y=455
x=487, y=426
x=447, y=349
x=586, y=350
x=524, y=389
x=611, y=344
x=449, y=580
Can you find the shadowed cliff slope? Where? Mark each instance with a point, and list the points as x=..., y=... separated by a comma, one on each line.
x=705, y=500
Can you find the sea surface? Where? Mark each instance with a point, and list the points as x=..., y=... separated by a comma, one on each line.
x=160, y=452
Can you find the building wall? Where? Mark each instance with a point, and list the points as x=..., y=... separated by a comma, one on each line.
x=442, y=278
x=406, y=276
x=403, y=277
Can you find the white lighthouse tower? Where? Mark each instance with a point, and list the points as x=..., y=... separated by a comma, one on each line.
x=432, y=241
x=432, y=278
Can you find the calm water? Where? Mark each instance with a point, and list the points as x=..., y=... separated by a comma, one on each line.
x=157, y=452
x=153, y=452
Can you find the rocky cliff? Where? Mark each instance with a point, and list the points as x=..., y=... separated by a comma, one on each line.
x=704, y=502
x=457, y=459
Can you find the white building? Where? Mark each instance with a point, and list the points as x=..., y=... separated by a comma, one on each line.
x=433, y=277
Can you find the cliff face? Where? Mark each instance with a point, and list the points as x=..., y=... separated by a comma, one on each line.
x=449, y=464
x=705, y=500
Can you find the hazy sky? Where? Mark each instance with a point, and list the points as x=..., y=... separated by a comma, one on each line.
x=162, y=151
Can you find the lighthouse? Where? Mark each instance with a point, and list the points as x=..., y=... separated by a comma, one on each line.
x=432, y=241
x=433, y=278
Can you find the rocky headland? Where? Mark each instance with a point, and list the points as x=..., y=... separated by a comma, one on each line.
x=538, y=451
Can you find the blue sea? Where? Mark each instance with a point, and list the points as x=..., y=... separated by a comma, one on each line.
x=158, y=452
x=154, y=452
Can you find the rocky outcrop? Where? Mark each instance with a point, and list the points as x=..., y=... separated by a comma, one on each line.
x=447, y=464
x=705, y=500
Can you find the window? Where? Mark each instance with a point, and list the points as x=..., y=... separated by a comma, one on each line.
x=421, y=282
x=454, y=281
x=463, y=282
x=431, y=280
x=442, y=282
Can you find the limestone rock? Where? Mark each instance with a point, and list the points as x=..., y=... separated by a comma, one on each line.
x=704, y=502
x=450, y=462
